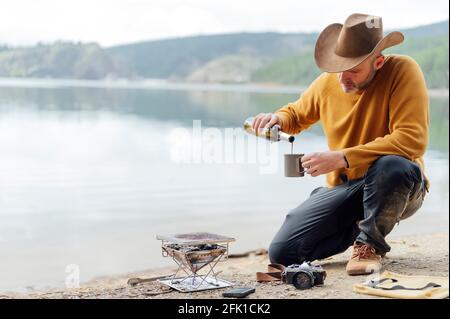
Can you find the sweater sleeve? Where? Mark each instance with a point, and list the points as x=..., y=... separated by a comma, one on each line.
x=301, y=114
x=408, y=120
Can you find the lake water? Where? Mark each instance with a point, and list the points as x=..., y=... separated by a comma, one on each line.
x=90, y=174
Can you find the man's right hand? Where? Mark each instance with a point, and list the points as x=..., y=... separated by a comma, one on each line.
x=264, y=121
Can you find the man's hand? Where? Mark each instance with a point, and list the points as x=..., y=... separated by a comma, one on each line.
x=264, y=120
x=320, y=163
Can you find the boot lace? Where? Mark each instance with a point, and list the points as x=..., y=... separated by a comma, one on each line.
x=362, y=252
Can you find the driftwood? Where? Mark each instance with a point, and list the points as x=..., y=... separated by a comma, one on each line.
x=136, y=281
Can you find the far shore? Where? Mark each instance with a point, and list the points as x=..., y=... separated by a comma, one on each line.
x=163, y=84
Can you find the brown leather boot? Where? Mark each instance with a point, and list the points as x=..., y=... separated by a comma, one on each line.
x=364, y=260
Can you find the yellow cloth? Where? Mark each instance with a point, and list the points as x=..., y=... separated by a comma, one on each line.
x=389, y=117
x=408, y=282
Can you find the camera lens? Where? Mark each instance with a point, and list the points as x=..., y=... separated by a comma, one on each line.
x=303, y=280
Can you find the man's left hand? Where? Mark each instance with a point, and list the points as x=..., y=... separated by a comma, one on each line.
x=319, y=163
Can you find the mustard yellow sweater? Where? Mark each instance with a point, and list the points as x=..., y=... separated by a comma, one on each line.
x=389, y=117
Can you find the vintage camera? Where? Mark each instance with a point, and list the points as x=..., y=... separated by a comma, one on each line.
x=304, y=276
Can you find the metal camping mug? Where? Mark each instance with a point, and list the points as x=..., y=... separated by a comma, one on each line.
x=293, y=165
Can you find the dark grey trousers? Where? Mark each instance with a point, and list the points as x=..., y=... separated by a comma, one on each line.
x=327, y=222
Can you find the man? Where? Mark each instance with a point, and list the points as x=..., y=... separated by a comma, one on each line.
x=374, y=111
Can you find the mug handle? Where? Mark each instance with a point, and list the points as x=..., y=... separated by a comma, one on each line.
x=299, y=166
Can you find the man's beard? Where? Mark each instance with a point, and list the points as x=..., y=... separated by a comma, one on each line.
x=350, y=87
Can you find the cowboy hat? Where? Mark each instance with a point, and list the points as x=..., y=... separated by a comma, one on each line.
x=342, y=47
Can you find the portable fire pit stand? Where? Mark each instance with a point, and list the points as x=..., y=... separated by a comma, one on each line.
x=193, y=252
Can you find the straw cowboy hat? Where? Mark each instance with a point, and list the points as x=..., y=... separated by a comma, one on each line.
x=342, y=47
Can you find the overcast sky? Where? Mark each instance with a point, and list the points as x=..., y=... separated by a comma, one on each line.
x=109, y=22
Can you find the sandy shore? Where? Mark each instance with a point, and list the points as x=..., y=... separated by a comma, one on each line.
x=421, y=255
